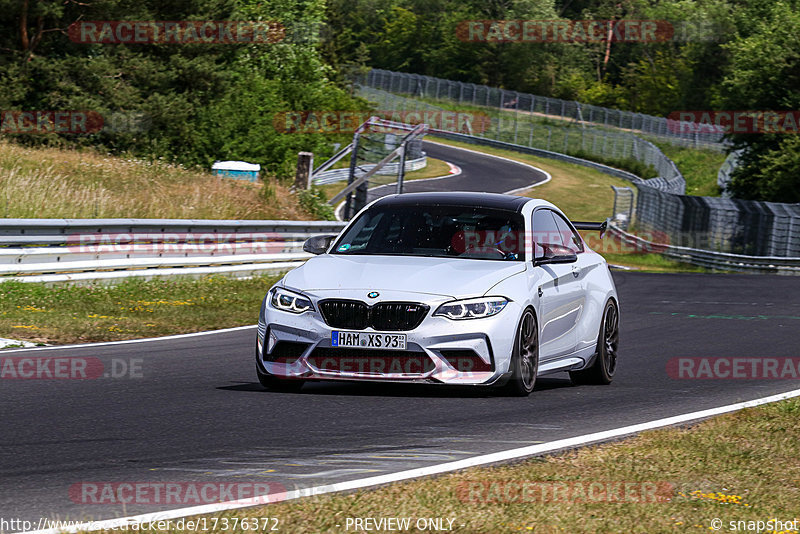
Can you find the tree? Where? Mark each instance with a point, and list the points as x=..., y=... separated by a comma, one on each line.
x=201, y=101
x=764, y=75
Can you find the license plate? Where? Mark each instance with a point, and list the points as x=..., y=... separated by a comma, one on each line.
x=368, y=340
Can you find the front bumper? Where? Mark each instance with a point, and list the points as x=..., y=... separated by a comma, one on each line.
x=431, y=354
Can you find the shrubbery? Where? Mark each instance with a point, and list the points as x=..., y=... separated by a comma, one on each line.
x=194, y=103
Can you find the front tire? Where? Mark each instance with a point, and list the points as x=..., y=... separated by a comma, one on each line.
x=602, y=370
x=277, y=384
x=525, y=358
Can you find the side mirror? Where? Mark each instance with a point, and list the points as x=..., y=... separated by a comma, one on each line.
x=555, y=254
x=318, y=244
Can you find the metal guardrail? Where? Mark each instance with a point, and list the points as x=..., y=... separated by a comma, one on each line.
x=704, y=258
x=712, y=260
x=56, y=250
x=420, y=86
x=57, y=253
x=524, y=131
x=340, y=175
x=611, y=171
x=662, y=205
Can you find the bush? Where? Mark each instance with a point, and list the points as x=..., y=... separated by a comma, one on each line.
x=316, y=204
x=642, y=170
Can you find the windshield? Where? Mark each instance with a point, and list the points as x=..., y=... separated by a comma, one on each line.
x=435, y=231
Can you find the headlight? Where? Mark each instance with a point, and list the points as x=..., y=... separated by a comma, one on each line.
x=472, y=308
x=289, y=301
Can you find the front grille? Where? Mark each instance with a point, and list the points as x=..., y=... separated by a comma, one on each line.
x=345, y=313
x=385, y=316
x=370, y=361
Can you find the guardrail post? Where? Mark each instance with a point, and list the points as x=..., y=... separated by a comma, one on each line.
x=302, y=178
x=401, y=168
x=348, y=208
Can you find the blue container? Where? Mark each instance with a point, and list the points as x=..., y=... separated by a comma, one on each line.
x=239, y=170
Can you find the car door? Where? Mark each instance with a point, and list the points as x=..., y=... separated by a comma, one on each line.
x=560, y=291
x=584, y=270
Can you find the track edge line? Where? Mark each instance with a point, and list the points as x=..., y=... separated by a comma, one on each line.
x=481, y=460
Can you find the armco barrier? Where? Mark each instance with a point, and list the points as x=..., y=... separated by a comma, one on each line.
x=580, y=141
x=675, y=210
x=469, y=94
x=55, y=250
x=727, y=225
x=713, y=260
x=619, y=173
x=340, y=175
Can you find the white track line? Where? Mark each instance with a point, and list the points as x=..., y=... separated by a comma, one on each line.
x=475, y=461
x=513, y=191
x=455, y=170
x=484, y=459
x=339, y=208
x=127, y=341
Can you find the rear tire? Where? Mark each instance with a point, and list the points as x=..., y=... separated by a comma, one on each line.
x=602, y=370
x=524, y=359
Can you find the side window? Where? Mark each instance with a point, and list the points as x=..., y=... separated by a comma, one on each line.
x=570, y=238
x=545, y=230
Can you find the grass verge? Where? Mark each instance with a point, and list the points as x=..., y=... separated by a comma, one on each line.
x=56, y=183
x=699, y=167
x=132, y=309
x=584, y=194
x=650, y=263
x=737, y=467
x=545, y=132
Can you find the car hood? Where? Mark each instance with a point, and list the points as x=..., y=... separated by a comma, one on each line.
x=452, y=277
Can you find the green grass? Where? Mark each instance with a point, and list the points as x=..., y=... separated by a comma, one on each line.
x=699, y=167
x=651, y=263
x=56, y=183
x=737, y=467
x=535, y=130
x=133, y=309
x=582, y=193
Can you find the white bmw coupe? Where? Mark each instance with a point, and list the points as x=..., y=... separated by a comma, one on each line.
x=449, y=288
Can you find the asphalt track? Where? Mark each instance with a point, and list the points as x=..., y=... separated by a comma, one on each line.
x=196, y=413
x=478, y=173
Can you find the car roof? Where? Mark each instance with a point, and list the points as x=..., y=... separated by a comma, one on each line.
x=483, y=200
